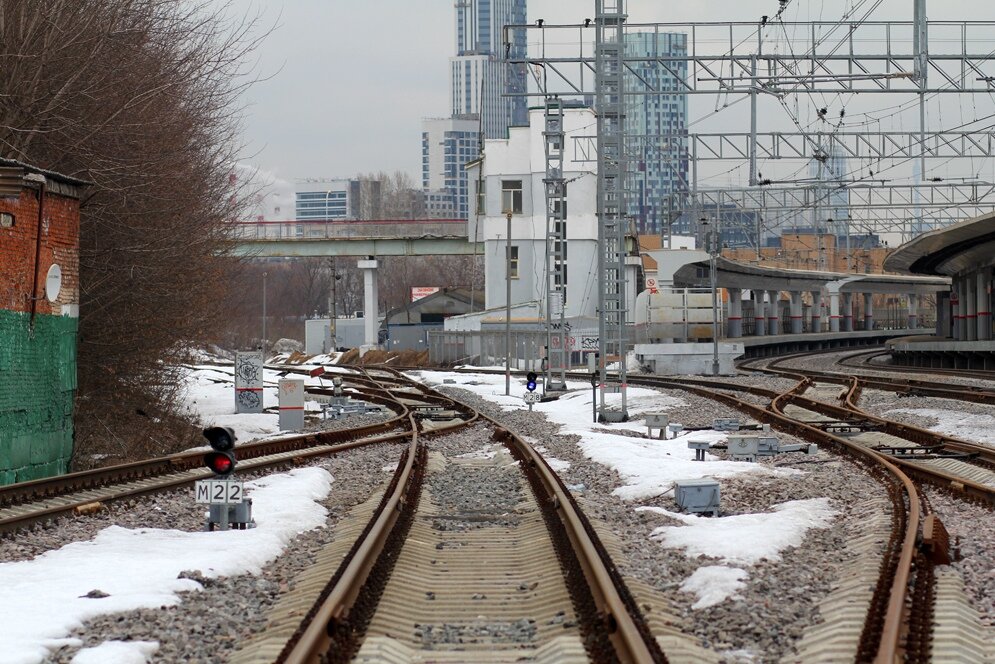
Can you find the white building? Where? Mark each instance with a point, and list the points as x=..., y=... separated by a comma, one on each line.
x=511, y=172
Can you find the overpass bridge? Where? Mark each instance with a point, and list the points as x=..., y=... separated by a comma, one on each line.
x=363, y=238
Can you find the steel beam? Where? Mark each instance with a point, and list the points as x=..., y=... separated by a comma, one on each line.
x=357, y=247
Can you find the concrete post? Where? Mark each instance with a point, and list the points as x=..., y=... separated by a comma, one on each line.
x=961, y=310
x=944, y=324
x=971, y=291
x=913, y=311
x=834, y=312
x=984, y=305
x=818, y=315
x=868, y=311
x=735, y=317
x=760, y=314
x=847, y=312
x=370, y=301
x=796, y=312
x=774, y=312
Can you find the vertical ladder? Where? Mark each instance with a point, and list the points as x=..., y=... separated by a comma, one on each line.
x=556, y=248
x=609, y=53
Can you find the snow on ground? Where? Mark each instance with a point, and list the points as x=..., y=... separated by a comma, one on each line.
x=651, y=466
x=117, y=652
x=714, y=584
x=968, y=426
x=572, y=407
x=740, y=539
x=44, y=599
x=209, y=397
x=744, y=538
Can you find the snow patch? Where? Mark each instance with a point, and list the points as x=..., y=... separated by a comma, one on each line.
x=956, y=423
x=45, y=598
x=744, y=538
x=117, y=652
x=714, y=584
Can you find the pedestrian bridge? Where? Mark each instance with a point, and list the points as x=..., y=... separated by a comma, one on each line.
x=360, y=238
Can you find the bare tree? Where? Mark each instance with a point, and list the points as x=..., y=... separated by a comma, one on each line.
x=141, y=98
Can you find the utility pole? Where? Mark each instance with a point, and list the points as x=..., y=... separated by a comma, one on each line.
x=263, y=340
x=556, y=247
x=713, y=238
x=507, y=310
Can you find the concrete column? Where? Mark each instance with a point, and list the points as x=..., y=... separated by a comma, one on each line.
x=984, y=304
x=961, y=319
x=971, y=322
x=774, y=313
x=794, y=325
x=818, y=315
x=944, y=324
x=760, y=314
x=370, y=301
x=868, y=311
x=847, y=312
x=913, y=311
x=834, y=312
x=735, y=317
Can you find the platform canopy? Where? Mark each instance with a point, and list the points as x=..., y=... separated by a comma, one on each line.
x=733, y=274
x=954, y=250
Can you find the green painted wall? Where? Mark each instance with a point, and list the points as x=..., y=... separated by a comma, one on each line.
x=37, y=383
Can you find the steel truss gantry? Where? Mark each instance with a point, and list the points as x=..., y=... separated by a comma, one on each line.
x=609, y=64
x=870, y=146
x=556, y=247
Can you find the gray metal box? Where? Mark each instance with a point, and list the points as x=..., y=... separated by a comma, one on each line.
x=768, y=445
x=743, y=448
x=657, y=420
x=725, y=424
x=699, y=447
x=700, y=495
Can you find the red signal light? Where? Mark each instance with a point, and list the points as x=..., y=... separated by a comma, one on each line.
x=221, y=463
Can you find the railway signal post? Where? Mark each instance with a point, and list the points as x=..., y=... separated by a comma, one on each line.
x=225, y=496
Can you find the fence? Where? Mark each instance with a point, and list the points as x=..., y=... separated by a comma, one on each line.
x=488, y=347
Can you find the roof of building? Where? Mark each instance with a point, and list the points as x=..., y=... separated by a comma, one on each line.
x=961, y=247
x=50, y=175
x=733, y=274
x=473, y=298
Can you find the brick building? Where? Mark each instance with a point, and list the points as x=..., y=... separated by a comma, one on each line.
x=39, y=311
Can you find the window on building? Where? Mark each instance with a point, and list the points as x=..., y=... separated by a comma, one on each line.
x=511, y=196
x=481, y=196
x=513, y=268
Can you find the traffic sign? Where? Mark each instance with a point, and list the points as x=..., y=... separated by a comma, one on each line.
x=531, y=397
x=219, y=492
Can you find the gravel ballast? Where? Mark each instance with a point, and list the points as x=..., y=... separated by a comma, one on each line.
x=780, y=598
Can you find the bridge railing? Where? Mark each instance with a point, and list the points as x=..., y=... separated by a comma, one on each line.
x=360, y=228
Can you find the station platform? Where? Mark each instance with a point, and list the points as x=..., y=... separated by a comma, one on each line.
x=930, y=351
x=764, y=346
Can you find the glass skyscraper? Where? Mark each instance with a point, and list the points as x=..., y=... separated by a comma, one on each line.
x=656, y=125
x=478, y=76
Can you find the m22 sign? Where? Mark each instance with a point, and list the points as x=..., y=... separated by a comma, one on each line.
x=219, y=492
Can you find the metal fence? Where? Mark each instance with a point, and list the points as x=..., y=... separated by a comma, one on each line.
x=488, y=348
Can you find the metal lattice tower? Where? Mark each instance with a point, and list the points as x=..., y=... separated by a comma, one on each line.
x=556, y=247
x=609, y=56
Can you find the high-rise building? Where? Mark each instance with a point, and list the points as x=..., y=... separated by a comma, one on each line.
x=658, y=167
x=447, y=145
x=478, y=76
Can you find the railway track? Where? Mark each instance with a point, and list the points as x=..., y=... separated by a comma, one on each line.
x=864, y=360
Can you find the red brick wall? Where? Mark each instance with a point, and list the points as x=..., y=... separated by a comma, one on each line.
x=59, y=244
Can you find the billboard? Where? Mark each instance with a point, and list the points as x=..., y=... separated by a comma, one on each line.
x=418, y=292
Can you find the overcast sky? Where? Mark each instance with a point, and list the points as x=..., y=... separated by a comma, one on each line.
x=351, y=81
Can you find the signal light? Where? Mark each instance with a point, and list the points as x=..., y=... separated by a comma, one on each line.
x=530, y=381
x=222, y=459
